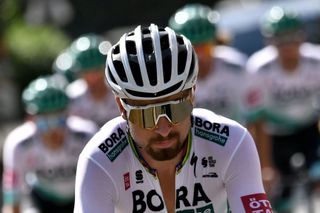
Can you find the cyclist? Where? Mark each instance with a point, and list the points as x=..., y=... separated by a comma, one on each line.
x=284, y=98
x=161, y=155
x=40, y=156
x=220, y=67
x=91, y=98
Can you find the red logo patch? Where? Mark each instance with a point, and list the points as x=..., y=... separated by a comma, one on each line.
x=126, y=179
x=254, y=97
x=10, y=179
x=256, y=203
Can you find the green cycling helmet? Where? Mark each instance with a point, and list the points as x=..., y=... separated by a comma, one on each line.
x=279, y=21
x=89, y=52
x=65, y=65
x=195, y=21
x=45, y=94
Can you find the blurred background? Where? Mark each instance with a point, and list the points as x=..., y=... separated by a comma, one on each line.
x=34, y=32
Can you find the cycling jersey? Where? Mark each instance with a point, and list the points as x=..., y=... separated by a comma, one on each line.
x=222, y=91
x=219, y=172
x=29, y=165
x=286, y=101
x=84, y=105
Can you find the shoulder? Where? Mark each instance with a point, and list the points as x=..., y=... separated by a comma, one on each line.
x=21, y=136
x=310, y=52
x=217, y=136
x=230, y=57
x=76, y=89
x=108, y=144
x=261, y=59
x=215, y=128
x=81, y=128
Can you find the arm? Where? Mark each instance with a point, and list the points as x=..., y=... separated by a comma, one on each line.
x=94, y=190
x=263, y=143
x=12, y=177
x=243, y=179
x=10, y=209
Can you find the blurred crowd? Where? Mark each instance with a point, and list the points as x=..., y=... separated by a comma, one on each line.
x=52, y=60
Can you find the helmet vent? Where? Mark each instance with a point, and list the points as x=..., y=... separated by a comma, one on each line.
x=152, y=72
x=182, y=58
x=120, y=71
x=191, y=70
x=147, y=46
x=164, y=42
x=131, y=47
x=167, y=63
x=111, y=76
x=135, y=69
x=145, y=31
x=180, y=40
x=116, y=49
x=154, y=95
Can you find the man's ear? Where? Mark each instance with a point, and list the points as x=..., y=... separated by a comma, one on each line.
x=121, y=108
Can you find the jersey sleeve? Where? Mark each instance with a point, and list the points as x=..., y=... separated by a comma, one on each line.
x=13, y=172
x=95, y=190
x=243, y=180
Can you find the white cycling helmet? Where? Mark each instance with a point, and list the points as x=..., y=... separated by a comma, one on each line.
x=151, y=63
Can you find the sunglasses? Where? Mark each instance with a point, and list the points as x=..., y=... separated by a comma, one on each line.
x=47, y=123
x=148, y=116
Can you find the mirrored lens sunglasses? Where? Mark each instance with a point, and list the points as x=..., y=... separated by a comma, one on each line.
x=148, y=116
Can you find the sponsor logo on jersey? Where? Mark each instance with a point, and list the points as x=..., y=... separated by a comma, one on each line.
x=114, y=145
x=193, y=162
x=214, y=132
x=126, y=180
x=152, y=201
x=209, y=163
x=282, y=94
x=256, y=203
x=57, y=173
x=139, y=176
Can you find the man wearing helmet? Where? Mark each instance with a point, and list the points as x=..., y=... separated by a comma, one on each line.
x=90, y=97
x=221, y=68
x=40, y=156
x=283, y=100
x=161, y=155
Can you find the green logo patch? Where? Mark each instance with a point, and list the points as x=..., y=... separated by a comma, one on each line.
x=216, y=138
x=116, y=150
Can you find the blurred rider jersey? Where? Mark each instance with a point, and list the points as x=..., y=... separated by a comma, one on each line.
x=287, y=101
x=30, y=165
x=222, y=91
x=219, y=172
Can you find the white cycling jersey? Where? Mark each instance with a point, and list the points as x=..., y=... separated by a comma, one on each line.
x=83, y=104
x=222, y=91
x=30, y=165
x=287, y=101
x=220, y=171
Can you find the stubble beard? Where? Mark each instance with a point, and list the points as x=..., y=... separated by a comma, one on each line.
x=166, y=153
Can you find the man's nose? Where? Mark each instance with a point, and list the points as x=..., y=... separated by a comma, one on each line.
x=163, y=127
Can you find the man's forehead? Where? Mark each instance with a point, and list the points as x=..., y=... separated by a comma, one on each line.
x=180, y=95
